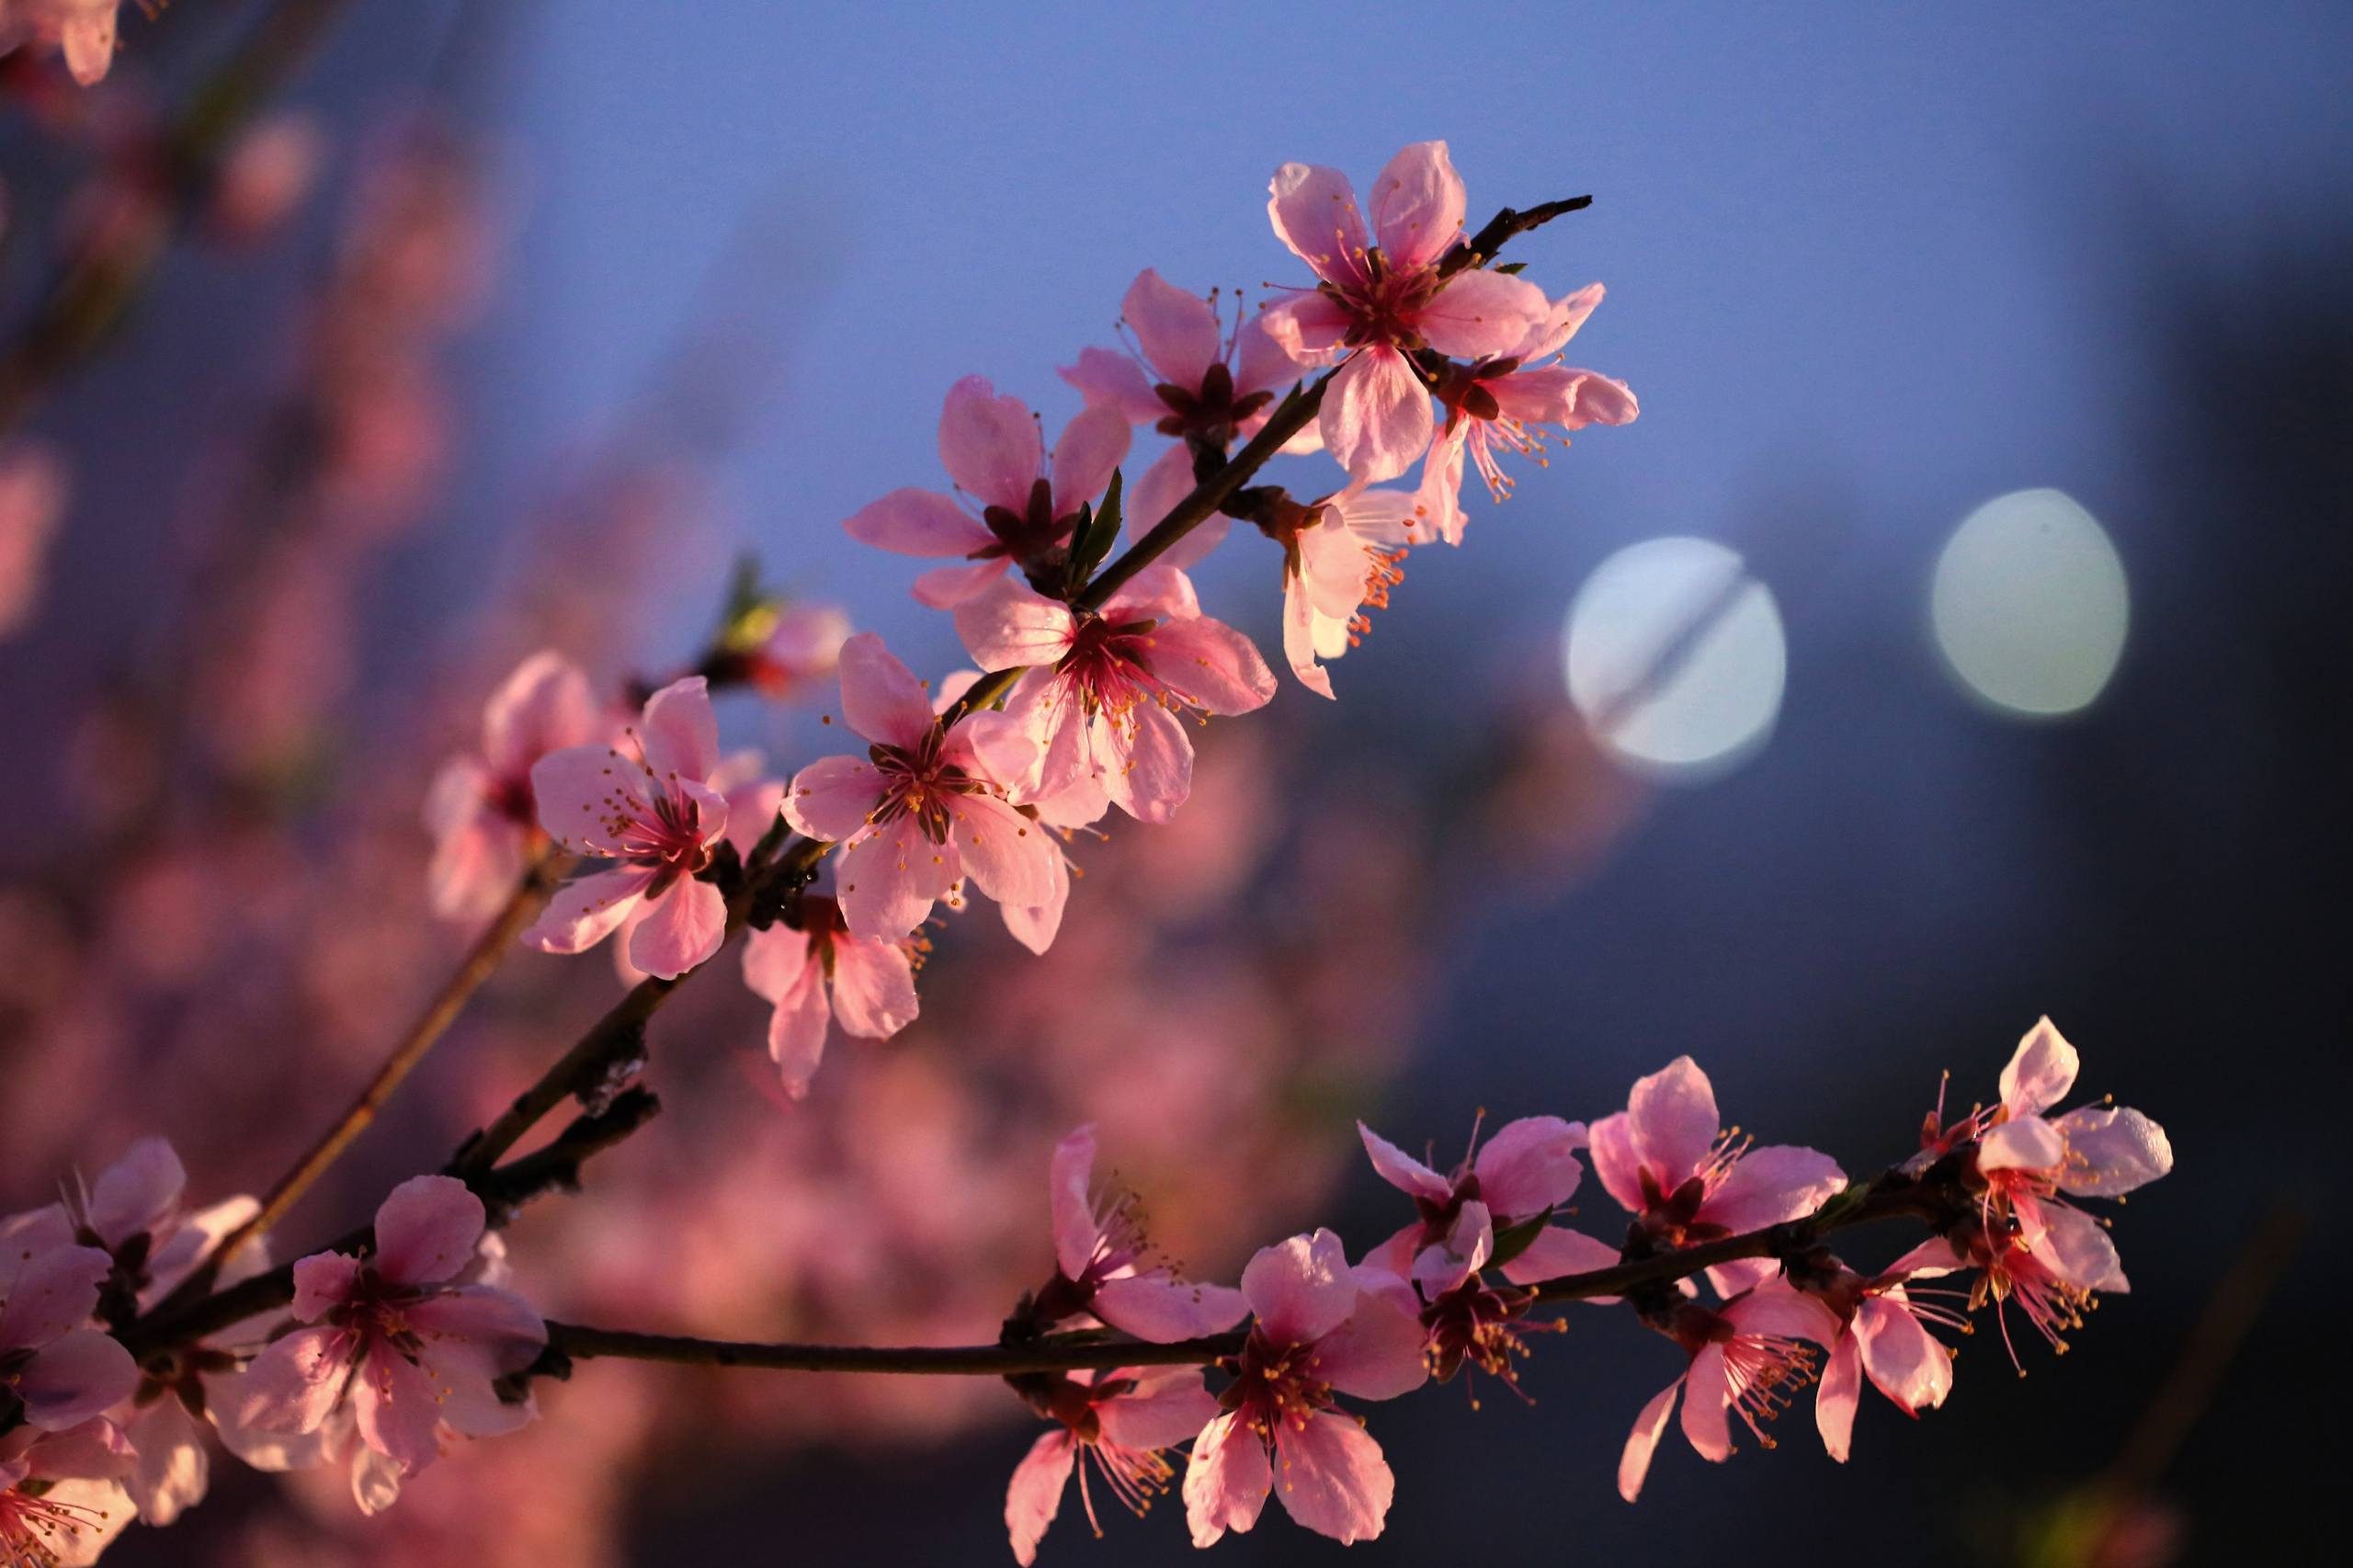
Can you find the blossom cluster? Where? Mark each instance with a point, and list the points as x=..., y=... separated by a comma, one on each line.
x=138, y=1335
x=1454, y=1288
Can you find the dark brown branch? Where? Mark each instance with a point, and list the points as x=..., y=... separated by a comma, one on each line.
x=555, y=1167
x=1892, y=1197
x=1506, y=225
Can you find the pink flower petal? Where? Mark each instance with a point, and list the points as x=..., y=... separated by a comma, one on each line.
x=1177, y=330
x=1226, y=1480
x=1377, y=1352
x=1301, y=1288
x=52, y=1295
x=1308, y=328
x=1334, y=1480
x=74, y=1378
x=1299, y=638
x=1437, y=500
x=1215, y=666
x=682, y=929
x=1768, y=1186
x=889, y=879
x=2026, y=1144
x=1616, y=1160
x=1161, y=1310
x=399, y=1409
x=1530, y=1166
x=989, y=445
x=1168, y=481
x=1070, y=1188
x=1675, y=1120
x=679, y=731
x=1557, y=1251
x=1479, y=314
x=918, y=522
x=1904, y=1359
x=831, y=797
x=1835, y=1401
x=586, y=910
x=426, y=1229
x=2076, y=1248
x=323, y=1281
x=945, y=587
x=801, y=1018
x=2041, y=1071
x=881, y=700
x=1261, y=364
x=1400, y=1170
x=1092, y=445
x=1417, y=203
x=1147, y=767
x=1376, y=415
x=1314, y=210
x=1008, y=856
x=1036, y=1491
x=545, y=705
x=1009, y=626
x=1775, y=1309
x=1167, y=1405
x=874, y=988
x=1707, y=1401
x=295, y=1382
x=2111, y=1150
x=1103, y=375
x=1634, y=1463
x=137, y=1192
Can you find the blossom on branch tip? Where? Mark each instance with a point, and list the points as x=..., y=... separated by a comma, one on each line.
x=1667, y=1161
x=1323, y=1329
x=1341, y=556
x=1104, y=1267
x=1501, y=403
x=399, y=1341
x=480, y=810
x=815, y=975
x=991, y=448
x=1378, y=298
x=652, y=810
x=927, y=805
x=1748, y=1356
x=1105, y=694
x=1120, y=1420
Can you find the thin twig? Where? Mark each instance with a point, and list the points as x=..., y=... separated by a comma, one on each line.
x=1066, y=1352
x=481, y=962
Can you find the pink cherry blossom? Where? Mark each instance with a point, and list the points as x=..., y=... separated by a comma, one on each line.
x=1381, y=302
x=1322, y=1329
x=1105, y=1268
x=926, y=806
x=482, y=810
x=1882, y=1336
x=1746, y=1356
x=1341, y=556
x=1120, y=1420
x=1106, y=694
x=395, y=1339
x=1522, y=1174
x=54, y=1370
x=1667, y=1161
x=77, y=1507
x=1502, y=403
x=991, y=448
x=1189, y=379
x=2029, y=1160
x=646, y=804
x=815, y=975
x=754, y=802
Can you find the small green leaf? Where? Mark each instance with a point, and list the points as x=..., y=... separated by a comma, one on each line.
x=1510, y=268
x=1513, y=1240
